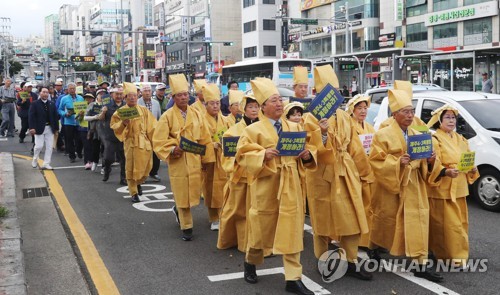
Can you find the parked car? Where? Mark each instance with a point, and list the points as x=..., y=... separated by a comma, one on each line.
x=481, y=130
x=285, y=93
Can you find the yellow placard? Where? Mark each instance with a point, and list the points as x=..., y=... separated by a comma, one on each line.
x=218, y=135
x=24, y=95
x=466, y=161
x=79, y=106
x=128, y=113
x=79, y=89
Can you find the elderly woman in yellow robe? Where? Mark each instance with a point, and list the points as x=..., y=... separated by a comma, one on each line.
x=400, y=206
x=276, y=216
x=334, y=189
x=184, y=168
x=213, y=176
x=232, y=231
x=449, y=224
x=235, y=97
x=136, y=135
x=358, y=107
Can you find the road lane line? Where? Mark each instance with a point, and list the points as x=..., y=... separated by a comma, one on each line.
x=97, y=269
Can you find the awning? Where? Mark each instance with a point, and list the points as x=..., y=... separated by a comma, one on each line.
x=372, y=75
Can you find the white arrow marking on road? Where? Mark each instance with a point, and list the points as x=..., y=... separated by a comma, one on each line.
x=310, y=284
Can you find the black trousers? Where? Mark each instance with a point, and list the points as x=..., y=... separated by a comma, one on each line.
x=87, y=146
x=72, y=141
x=114, y=151
x=96, y=150
x=24, y=129
x=60, y=139
x=156, y=165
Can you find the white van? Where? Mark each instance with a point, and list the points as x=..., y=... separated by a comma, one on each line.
x=478, y=122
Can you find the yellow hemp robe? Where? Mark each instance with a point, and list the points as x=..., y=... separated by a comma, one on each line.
x=334, y=189
x=136, y=138
x=366, y=181
x=214, y=177
x=449, y=224
x=184, y=172
x=400, y=207
x=232, y=228
x=231, y=119
x=276, y=216
x=200, y=107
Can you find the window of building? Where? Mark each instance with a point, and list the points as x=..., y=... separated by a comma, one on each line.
x=358, y=9
x=444, y=4
x=247, y=3
x=250, y=51
x=268, y=2
x=470, y=2
x=416, y=32
x=249, y=26
x=269, y=50
x=269, y=24
x=445, y=31
x=416, y=7
x=399, y=33
x=477, y=31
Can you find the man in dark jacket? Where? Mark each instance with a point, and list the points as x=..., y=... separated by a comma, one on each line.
x=43, y=124
x=113, y=148
x=224, y=103
x=23, y=106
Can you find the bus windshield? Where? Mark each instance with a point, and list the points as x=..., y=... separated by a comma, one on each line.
x=38, y=75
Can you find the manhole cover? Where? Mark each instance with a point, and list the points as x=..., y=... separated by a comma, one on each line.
x=35, y=192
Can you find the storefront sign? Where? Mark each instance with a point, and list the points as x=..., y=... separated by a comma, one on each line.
x=160, y=60
x=452, y=56
x=308, y=4
x=175, y=67
x=386, y=40
x=328, y=29
x=399, y=10
x=464, y=13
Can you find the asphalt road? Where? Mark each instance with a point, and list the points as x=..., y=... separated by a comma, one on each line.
x=140, y=245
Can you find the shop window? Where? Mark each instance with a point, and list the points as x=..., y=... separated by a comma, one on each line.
x=269, y=25
x=478, y=31
x=416, y=32
x=249, y=26
x=445, y=31
x=463, y=79
x=250, y=51
x=444, y=4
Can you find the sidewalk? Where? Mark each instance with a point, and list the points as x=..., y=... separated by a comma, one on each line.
x=36, y=256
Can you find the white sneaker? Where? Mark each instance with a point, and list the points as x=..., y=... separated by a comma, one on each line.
x=34, y=163
x=47, y=167
x=94, y=166
x=102, y=171
x=214, y=226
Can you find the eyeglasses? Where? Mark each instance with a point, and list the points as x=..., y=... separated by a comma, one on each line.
x=407, y=112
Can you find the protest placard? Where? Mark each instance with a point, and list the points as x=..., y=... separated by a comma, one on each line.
x=96, y=109
x=79, y=106
x=229, y=145
x=420, y=146
x=366, y=141
x=192, y=147
x=24, y=95
x=326, y=102
x=106, y=100
x=79, y=89
x=304, y=101
x=467, y=161
x=291, y=143
x=128, y=113
x=218, y=135
x=420, y=128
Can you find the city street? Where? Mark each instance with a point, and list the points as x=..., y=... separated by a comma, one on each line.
x=140, y=244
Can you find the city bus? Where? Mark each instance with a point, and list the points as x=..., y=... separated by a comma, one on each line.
x=38, y=75
x=278, y=70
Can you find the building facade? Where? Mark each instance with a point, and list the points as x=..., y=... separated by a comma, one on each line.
x=52, y=33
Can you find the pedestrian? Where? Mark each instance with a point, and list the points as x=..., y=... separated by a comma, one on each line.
x=92, y=116
x=487, y=85
x=199, y=105
x=160, y=96
x=224, y=104
x=276, y=215
x=83, y=129
x=113, y=148
x=334, y=189
x=233, y=224
x=154, y=108
x=354, y=86
x=400, y=202
x=136, y=135
x=8, y=100
x=184, y=168
x=214, y=177
x=43, y=124
x=23, y=106
x=448, y=187
x=235, y=97
x=73, y=143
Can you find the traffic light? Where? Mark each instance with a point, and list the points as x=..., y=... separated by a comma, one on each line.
x=228, y=44
x=66, y=32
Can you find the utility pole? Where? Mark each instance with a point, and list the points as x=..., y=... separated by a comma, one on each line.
x=122, y=45
x=189, y=39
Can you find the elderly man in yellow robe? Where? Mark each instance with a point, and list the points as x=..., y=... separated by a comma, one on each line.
x=449, y=224
x=184, y=168
x=136, y=135
x=400, y=206
x=300, y=82
x=199, y=104
x=214, y=177
x=232, y=231
x=276, y=216
x=235, y=97
x=358, y=107
x=334, y=189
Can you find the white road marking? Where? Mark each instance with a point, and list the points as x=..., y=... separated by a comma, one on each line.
x=310, y=284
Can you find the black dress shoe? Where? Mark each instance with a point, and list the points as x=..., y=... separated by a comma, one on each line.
x=374, y=254
x=80, y=156
x=428, y=274
x=21, y=140
x=250, y=274
x=187, y=234
x=105, y=177
x=297, y=287
x=122, y=181
x=135, y=199
x=361, y=274
x=139, y=190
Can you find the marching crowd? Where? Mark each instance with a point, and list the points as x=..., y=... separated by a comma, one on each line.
x=372, y=199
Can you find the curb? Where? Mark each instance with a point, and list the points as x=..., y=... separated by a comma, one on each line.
x=12, y=277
